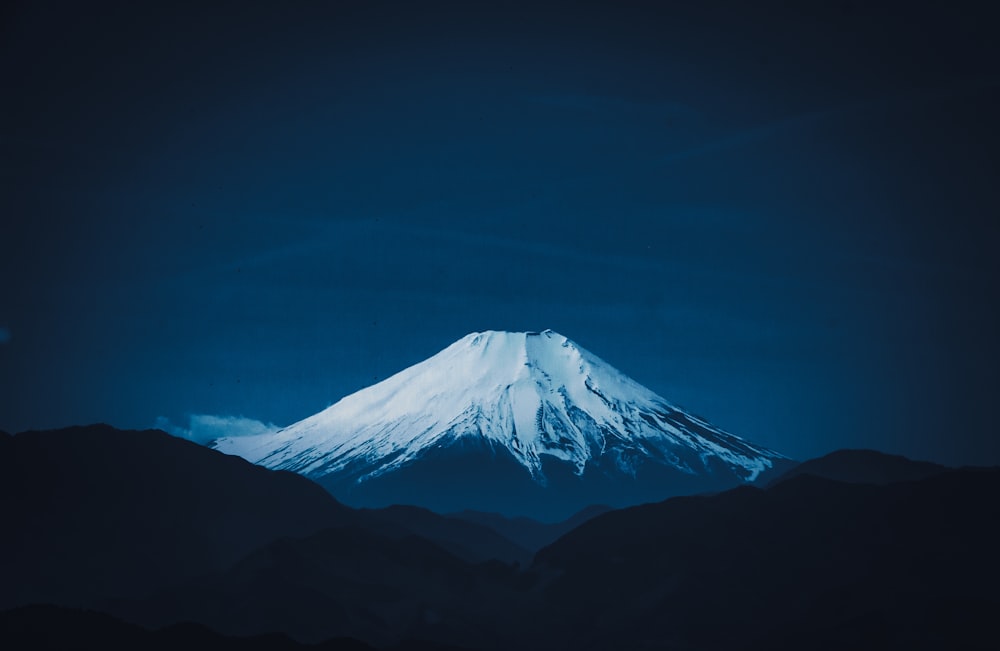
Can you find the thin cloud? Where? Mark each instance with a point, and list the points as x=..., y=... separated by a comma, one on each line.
x=203, y=428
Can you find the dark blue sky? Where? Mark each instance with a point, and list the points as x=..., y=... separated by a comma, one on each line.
x=784, y=220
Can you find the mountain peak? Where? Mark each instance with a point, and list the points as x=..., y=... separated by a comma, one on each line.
x=512, y=342
x=536, y=398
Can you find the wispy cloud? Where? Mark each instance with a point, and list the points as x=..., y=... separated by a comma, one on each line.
x=203, y=428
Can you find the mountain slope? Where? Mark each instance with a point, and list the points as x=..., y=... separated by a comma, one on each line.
x=349, y=582
x=96, y=514
x=543, y=411
x=472, y=541
x=52, y=627
x=864, y=467
x=531, y=534
x=808, y=563
x=93, y=513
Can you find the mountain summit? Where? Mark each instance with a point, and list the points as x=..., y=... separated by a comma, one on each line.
x=518, y=422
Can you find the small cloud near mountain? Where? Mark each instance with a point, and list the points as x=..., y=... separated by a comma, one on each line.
x=203, y=428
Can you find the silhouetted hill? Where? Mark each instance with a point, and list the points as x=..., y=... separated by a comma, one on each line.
x=126, y=521
x=809, y=563
x=53, y=627
x=470, y=541
x=531, y=534
x=160, y=531
x=350, y=582
x=863, y=467
x=93, y=513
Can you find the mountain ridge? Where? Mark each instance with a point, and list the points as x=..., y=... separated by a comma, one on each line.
x=809, y=562
x=89, y=507
x=537, y=408
x=863, y=466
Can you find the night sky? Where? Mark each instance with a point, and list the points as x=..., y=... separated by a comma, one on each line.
x=784, y=220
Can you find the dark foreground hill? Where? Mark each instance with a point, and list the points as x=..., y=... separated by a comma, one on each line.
x=468, y=539
x=863, y=467
x=526, y=532
x=160, y=532
x=809, y=563
x=67, y=629
x=93, y=513
x=355, y=583
x=166, y=531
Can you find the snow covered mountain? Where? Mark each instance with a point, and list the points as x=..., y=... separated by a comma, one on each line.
x=520, y=423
